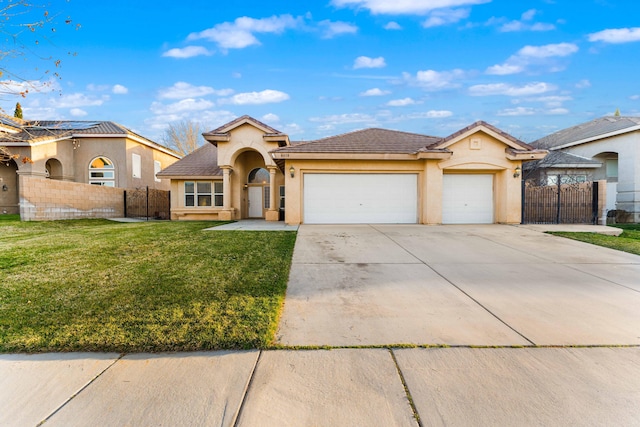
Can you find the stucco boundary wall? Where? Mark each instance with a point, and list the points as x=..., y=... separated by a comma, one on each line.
x=49, y=199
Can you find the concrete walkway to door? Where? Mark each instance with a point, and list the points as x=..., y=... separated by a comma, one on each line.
x=487, y=285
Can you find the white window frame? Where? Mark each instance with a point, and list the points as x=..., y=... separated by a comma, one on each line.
x=218, y=194
x=198, y=197
x=136, y=165
x=157, y=167
x=266, y=196
x=108, y=178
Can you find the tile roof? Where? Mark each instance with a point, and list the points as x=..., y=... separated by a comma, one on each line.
x=201, y=162
x=42, y=130
x=588, y=130
x=373, y=140
x=562, y=159
x=505, y=135
x=241, y=119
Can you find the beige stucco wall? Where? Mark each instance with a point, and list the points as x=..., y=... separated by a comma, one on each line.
x=47, y=199
x=76, y=155
x=487, y=156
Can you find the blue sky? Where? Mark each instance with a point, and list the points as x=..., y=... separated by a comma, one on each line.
x=320, y=68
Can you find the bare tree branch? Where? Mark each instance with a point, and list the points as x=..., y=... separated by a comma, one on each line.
x=183, y=137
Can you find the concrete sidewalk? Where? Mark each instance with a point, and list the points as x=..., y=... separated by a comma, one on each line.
x=373, y=387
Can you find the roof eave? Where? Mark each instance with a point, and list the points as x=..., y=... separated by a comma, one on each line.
x=351, y=155
x=597, y=137
x=526, y=155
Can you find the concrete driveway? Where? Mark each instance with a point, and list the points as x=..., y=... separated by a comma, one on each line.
x=489, y=285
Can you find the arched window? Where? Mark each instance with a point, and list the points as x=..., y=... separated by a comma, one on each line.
x=258, y=176
x=102, y=172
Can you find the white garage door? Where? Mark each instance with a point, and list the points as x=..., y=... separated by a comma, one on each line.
x=467, y=199
x=360, y=198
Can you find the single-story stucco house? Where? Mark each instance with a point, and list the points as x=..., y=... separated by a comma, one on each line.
x=606, y=148
x=251, y=170
x=100, y=153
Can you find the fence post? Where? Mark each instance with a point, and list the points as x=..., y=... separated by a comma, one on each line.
x=125, y=203
x=558, y=207
x=147, y=203
x=523, y=197
x=594, y=202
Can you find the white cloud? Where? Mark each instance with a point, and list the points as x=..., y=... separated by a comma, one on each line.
x=267, y=96
x=524, y=23
x=119, y=90
x=582, y=84
x=530, y=55
x=556, y=111
x=17, y=87
x=401, y=102
x=431, y=114
x=435, y=80
x=504, y=69
x=184, y=105
x=77, y=112
x=634, y=97
x=518, y=111
x=392, y=26
x=293, y=129
x=270, y=118
x=366, y=62
x=549, y=50
x=446, y=16
x=338, y=119
x=375, y=92
x=404, y=7
x=616, y=35
x=183, y=90
x=332, y=29
x=240, y=33
x=161, y=122
x=510, y=90
x=75, y=100
x=187, y=52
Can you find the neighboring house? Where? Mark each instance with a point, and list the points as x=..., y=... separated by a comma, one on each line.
x=251, y=170
x=92, y=152
x=607, y=148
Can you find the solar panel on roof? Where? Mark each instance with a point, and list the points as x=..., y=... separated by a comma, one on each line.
x=69, y=125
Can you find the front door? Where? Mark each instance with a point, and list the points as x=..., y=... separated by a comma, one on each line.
x=255, y=202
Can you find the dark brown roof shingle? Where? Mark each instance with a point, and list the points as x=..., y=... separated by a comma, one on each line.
x=201, y=162
x=373, y=140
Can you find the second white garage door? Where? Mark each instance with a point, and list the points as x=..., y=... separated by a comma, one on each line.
x=360, y=198
x=467, y=199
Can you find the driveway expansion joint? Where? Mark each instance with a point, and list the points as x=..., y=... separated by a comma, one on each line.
x=84, y=387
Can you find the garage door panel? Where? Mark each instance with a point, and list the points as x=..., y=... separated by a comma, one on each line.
x=467, y=199
x=360, y=198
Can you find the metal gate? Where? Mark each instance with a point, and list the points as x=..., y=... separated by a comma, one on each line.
x=147, y=203
x=563, y=203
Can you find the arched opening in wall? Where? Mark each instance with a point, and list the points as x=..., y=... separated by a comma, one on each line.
x=9, y=196
x=53, y=169
x=609, y=172
x=102, y=172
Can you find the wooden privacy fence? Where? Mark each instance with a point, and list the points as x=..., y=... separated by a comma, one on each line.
x=571, y=203
x=147, y=203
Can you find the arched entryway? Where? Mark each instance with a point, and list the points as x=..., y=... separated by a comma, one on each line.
x=9, y=196
x=53, y=169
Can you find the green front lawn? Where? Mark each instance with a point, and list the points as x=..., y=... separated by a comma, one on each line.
x=98, y=285
x=628, y=241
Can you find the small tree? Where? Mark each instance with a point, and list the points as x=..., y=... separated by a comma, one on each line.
x=183, y=137
x=18, y=111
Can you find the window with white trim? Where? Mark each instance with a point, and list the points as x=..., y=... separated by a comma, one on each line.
x=102, y=172
x=218, y=198
x=267, y=197
x=136, y=165
x=157, y=167
x=197, y=193
x=282, y=197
